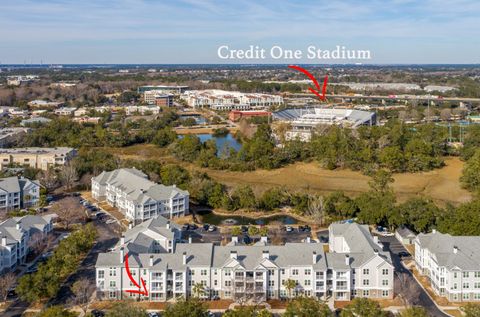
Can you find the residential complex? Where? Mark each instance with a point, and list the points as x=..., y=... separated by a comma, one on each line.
x=36, y=157
x=354, y=266
x=137, y=197
x=229, y=100
x=305, y=121
x=16, y=235
x=237, y=115
x=18, y=192
x=451, y=263
x=9, y=136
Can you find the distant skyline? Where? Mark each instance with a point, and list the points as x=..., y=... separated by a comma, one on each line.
x=191, y=31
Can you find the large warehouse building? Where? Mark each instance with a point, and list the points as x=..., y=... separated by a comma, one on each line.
x=304, y=121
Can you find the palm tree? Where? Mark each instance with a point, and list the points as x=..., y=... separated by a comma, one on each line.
x=198, y=289
x=236, y=231
x=290, y=285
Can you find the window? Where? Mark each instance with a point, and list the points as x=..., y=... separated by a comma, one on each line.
x=282, y=271
x=477, y=285
x=476, y=296
x=466, y=296
x=477, y=274
x=307, y=283
x=308, y=271
x=113, y=284
x=466, y=285
x=228, y=283
x=366, y=282
x=455, y=286
x=384, y=282
x=271, y=283
x=228, y=273
x=113, y=271
x=385, y=294
x=366, y=293
x=466, y=274
x=295, y=272
x=384, y=271
x=192, y=272
x=366, y=271
x=203, y=272
x=319, y=275
x=271, y=272
x=455, y=275
x=215, y=282
x=112, y=294
x=101, y=274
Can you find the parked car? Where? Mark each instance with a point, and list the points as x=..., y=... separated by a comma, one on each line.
x=110, y=221
x=244, y=229
x=288, y=228
x=97, y=313
x=206, y=226
x=323, y=239
x=212, y=228
x=153, y=314
x=403, y=254
x=186, y=227
x=193, y=226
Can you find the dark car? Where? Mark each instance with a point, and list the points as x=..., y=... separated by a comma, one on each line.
x=244, y=229
x=323, y=239
x=246, y=239
x=403, y=254
x=193, y=226
x=206, y=226
x=307, y=228
x=97, y=313
x=186, y=227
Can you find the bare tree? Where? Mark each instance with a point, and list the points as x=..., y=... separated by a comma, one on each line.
x=6, y=282
x=316, y=209
x=48, y=179
x=37, y=243
x=68, y=175
x=69, y=210
x=82, y=291
x=86, y=181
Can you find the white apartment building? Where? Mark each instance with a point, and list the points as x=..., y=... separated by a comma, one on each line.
x=452, y=264
x=355, y=266
x=15, y=235
x=17, y=193
x=36, y=157
x=227, y=100
x=137, y=197
x=65, y=111
x=143, y=110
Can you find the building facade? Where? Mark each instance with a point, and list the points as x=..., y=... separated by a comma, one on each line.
x=355, y=266
x=17, y=193
x=451, y=263
x=137, y=197
x=36, y=157
x=16, y=234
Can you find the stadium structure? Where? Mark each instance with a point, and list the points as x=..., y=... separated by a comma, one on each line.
x=304, y=121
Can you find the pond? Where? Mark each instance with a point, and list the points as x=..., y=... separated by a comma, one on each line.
x=220, y=141
x=215, y=219
x=198, y=119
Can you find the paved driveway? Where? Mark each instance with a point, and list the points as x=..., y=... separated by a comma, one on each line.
x=405, y=283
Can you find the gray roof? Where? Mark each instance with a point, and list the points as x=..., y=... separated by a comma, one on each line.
x=404, y=232
x=30, y=223
x=442, y=247
x=137, y=239
x=10, y=184
x=137, y=185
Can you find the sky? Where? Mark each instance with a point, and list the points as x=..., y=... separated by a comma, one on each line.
x=191, y=31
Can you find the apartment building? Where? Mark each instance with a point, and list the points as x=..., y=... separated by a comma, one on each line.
x=16, y=234
x=36, y=157
x=65, y=111
x=451, y=263
x=143, y=110
x=228, y=100
x=137, y=197
x=18, y=192
x=355, y=266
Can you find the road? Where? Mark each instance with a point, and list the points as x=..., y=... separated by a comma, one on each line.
x=405, y=282
x=108, y=236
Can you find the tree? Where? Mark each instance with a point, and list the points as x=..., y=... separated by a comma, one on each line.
x=252, y=230
x=290, y=285
x=471, y=310
x=316, y=209
x=245, y=197
x=7, y=280
x=68, y=175
x=198, y=290
x=82, y=291
x=191, y=307
x=69, y=210
x=125, y=309
x=48, y=178
x=247, y=311
x=236, y=231
x=174, y=175
x=471, y=173
x=307, y=307
x=56, y=311
x=413, y=312
x=380, y=181
x=363, y=307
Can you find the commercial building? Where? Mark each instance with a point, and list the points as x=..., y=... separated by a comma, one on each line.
x=17, y=233
x=237, y=115
x=137, y=197
x=164, y=89
x=305, y=121
x=17, y=193
x=451, y=263
x=228, y=100
x=18, y=80
x=354, y=266
x=158, y=97
x=36, y=157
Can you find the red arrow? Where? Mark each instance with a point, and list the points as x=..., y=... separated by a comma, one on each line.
x=139, y=291
x=312, y=78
